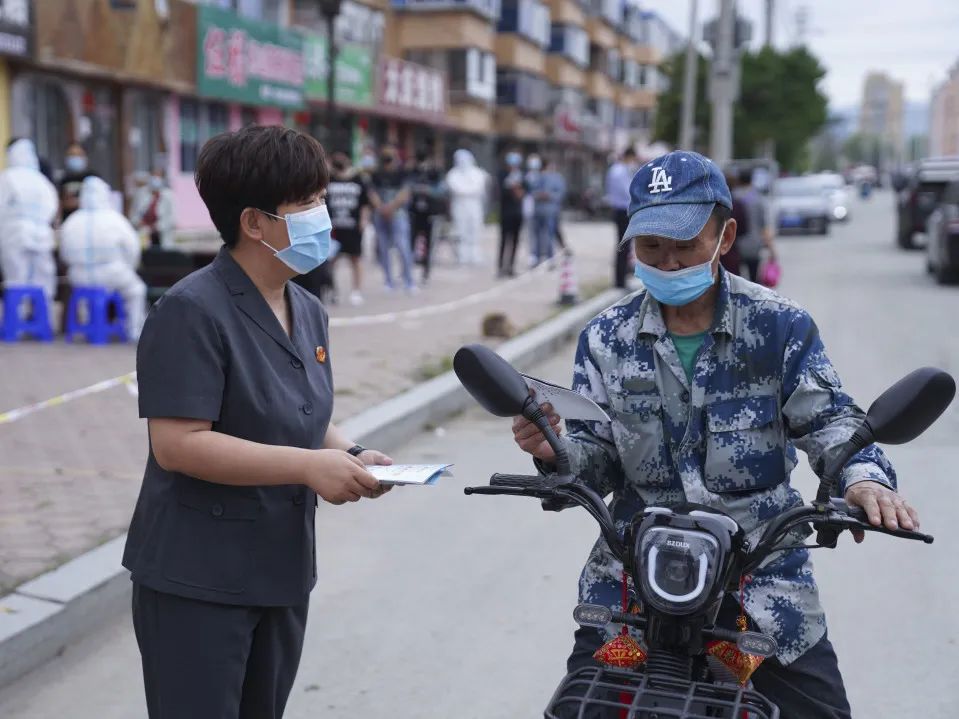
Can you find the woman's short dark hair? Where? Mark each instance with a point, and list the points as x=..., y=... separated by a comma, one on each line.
x=261, y=167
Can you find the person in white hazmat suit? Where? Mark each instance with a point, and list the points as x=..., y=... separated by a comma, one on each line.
x=101, y=248
x=28, y=206
x=467, y=188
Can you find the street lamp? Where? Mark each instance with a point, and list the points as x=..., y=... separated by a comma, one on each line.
x=330, y=9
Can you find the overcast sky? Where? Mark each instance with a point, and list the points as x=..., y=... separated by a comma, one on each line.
x=916, y=42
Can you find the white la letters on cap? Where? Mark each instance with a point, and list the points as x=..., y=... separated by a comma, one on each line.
x=661, y=181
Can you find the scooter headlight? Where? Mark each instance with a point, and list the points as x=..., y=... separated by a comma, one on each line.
x=678, y=568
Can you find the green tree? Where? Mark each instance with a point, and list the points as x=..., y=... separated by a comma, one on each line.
x=669, y=107
x=779, y=101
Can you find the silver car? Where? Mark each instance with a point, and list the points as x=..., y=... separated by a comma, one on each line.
x=801, y=205
x=835, y=190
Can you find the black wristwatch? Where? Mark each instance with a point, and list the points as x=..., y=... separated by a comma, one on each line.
x=356, y=450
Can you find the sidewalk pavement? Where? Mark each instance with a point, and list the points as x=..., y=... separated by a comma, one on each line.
x=70, y=472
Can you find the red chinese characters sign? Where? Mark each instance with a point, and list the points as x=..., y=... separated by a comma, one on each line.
x=411, y=91
x=248, y=62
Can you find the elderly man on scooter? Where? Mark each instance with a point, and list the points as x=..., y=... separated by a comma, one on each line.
x=712, y=383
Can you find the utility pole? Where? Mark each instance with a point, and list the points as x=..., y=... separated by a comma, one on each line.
x=723, y=86
x=802, y=25
x=768, y=42
x=687, y=123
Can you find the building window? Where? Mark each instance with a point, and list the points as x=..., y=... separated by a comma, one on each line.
x=528, y=18
x=199, y=121
x=145, y=134
x=571, y=42
x=486, y=8
x=526, y=92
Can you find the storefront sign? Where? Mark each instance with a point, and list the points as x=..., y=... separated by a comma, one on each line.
x=15, y=27
x=249, y=62
x=354, y=72
x=411, y=91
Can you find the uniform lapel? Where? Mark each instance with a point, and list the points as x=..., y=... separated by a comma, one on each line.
x=249, y=300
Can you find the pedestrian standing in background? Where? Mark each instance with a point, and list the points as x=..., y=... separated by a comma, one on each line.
x=28, y=207
x=731, y=259
x=618, y=177
x=101, y=248
x=427, y=202
x=759, y=234
x=77, y=169
x=349, y=204
x=549, y=190
x=466, y=184
x=512, y=189
x=151, y=210
x=390, y=194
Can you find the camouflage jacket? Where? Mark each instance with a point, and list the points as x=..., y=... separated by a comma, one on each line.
x=762, y=387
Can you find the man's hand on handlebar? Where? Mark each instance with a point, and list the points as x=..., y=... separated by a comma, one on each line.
x=882, y=506
x=531, y=440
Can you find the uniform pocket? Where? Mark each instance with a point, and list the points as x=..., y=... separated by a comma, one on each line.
x=744, y=445
x=638, y=433
x=211, y=546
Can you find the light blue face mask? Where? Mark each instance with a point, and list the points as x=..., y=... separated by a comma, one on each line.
x=75, y=163
x=679, y=287
x=309, y=233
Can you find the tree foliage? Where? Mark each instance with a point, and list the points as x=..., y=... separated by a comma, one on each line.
x=779, y=101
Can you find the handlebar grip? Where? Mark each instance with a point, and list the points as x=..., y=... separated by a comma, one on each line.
x=524, y=481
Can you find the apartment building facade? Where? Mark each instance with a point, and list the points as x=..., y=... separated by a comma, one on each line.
x=144, y=83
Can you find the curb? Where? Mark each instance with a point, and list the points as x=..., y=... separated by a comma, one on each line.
x=40, y=618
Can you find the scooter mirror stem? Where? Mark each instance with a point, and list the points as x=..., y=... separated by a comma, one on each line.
x=533, y=412
x=860, y=439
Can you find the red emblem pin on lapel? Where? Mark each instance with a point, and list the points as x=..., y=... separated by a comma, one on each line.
x=321, y=354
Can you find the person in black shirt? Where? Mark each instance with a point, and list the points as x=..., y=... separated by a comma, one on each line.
x=349, y=205
x=77, y=171
x=512, y=189
x=425, y=181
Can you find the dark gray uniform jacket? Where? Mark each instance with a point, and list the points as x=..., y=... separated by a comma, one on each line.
x=212, y=349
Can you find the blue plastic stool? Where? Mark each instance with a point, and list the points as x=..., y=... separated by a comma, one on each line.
x=98, y=329
x=39, y=323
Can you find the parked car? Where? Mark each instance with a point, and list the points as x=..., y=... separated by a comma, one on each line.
x=801, y=205
x=942, y=247
x=921, y=195
x=834, y=188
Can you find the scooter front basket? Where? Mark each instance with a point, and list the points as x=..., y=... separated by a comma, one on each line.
x=600, y=693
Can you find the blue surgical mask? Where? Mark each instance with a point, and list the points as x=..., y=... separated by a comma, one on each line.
x=309, y=233
x=514, y=159
x=75, y=163
x=679, y=287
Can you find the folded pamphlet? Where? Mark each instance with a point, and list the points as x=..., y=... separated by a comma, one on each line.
x=409, y=473
x=567, y=403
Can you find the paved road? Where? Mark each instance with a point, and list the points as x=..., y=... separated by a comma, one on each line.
x=435, y=605
x=61, y=498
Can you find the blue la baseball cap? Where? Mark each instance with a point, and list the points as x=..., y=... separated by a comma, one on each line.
x=674, y=195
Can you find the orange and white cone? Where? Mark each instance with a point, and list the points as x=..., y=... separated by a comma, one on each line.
x=568, y=289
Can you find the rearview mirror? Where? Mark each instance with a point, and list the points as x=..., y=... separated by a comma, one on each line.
x=909, y=407
x=491, y=380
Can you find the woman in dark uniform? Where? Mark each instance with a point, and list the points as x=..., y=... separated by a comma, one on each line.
x=234, y=371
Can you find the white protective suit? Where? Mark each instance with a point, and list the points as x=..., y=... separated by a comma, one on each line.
x=28, y=206
x=101, y=248
x=467, y=188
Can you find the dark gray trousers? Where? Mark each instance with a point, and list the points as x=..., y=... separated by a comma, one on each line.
x=216, y=661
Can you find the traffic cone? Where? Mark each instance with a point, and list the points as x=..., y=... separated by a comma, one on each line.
x=568, y=290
